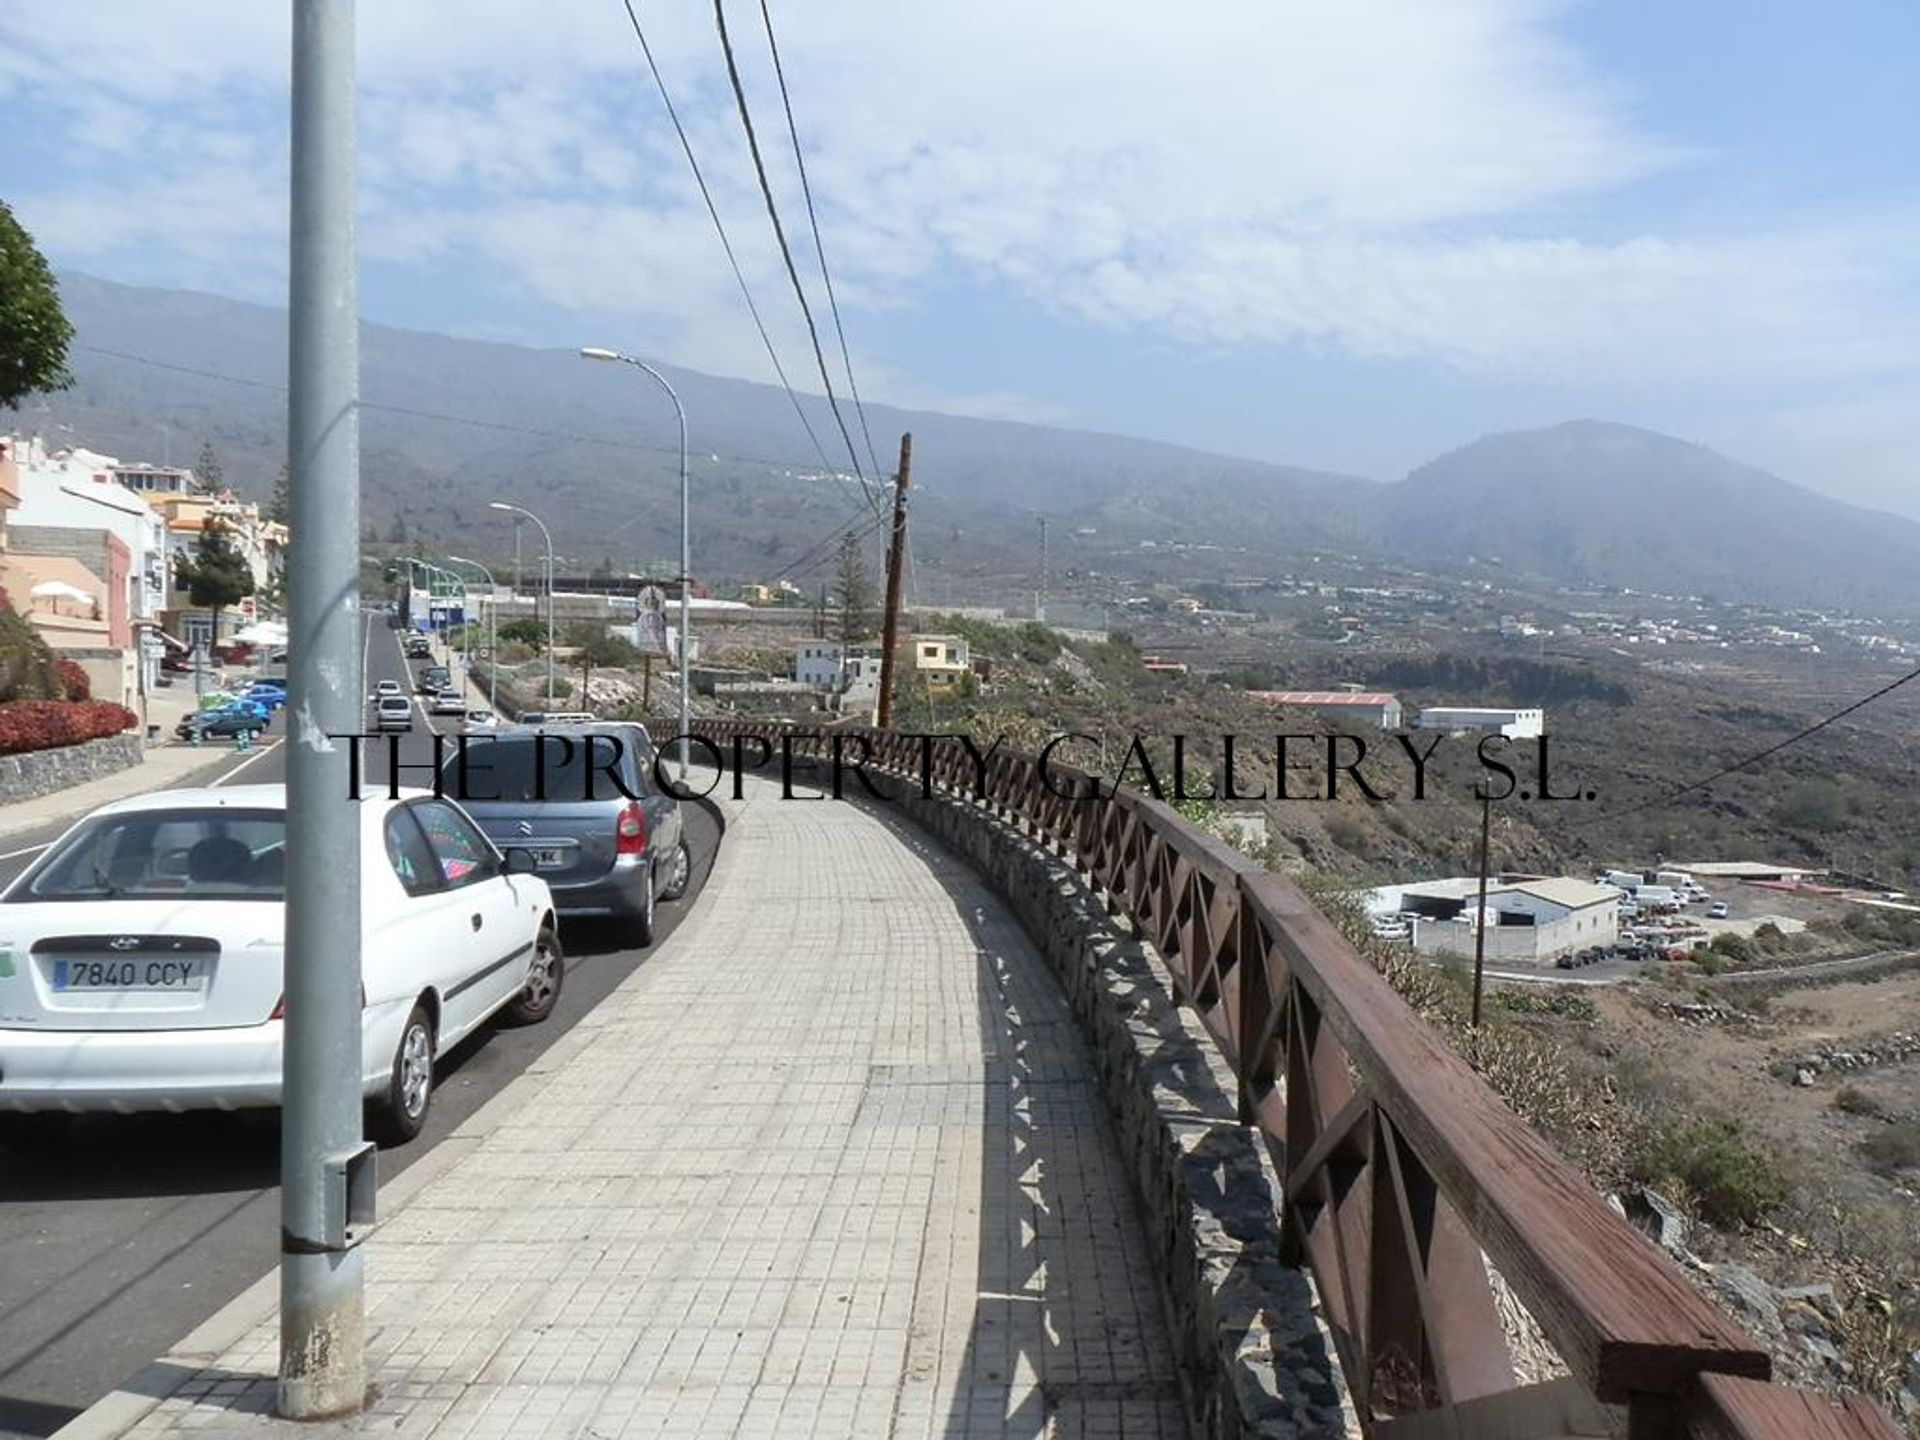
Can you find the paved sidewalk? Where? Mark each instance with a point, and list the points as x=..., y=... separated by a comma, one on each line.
x=165, y=766
x=832, y=1164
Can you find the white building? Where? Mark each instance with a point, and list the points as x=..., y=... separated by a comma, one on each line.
x=1529, y=919
x=1457, y=719
x=828, y=665
x=1367, y=706
x=78, y=490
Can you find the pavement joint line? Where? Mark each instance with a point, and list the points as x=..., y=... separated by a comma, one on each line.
x=118, y=1411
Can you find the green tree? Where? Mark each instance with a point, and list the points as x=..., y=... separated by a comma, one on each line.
x=280, y=503
x=216, y=575
x=524, y=631
x=34, y=330
x=853, y=594
x=207, y=469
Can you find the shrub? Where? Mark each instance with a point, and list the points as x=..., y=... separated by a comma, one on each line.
x=1732, y=1182
x=1349, y=834
x=74, y=684
x=1896, y=1147
x=1855, y=1101
x=28, y=725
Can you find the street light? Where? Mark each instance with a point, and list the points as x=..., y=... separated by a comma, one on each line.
x=493, y=608
x=548, y=537
x=594, y=352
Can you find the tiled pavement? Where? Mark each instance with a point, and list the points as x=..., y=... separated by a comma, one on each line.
x=831, y=1165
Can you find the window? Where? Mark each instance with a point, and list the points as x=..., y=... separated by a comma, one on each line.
x=521, y=769
x=413, y=862
x=210, y=854
x=461, y=853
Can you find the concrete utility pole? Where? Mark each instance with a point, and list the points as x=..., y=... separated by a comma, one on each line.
x=553, y=634
x=890, y=627
x=326, y=1166
x=1480, y=919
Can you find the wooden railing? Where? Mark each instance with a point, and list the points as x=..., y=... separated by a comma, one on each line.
x=1405, y=1176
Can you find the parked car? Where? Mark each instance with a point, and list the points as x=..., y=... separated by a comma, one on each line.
x=146, y=950
x=274, y=697
x=434, y=679
x=392, y=712
x=601, y=852
x=481, y=719
x=1717, y=910
x=223, y=723
x=417, y=648
x=256, y=708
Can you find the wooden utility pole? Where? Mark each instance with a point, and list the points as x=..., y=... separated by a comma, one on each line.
x=896, y=553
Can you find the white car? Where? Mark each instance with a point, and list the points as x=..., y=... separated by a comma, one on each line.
x=393, y=712
x=141, y=955
x=447, y=702
x=386, y=688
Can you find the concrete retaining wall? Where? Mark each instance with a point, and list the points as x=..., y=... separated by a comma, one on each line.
x=41, y=772
x=1254, y=1357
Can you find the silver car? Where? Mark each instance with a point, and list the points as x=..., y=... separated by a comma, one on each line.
x=584, y=799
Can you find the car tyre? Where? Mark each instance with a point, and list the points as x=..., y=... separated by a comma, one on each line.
x=681, y=873
x=544, y=979
x=402, y=1111
x=643, y=923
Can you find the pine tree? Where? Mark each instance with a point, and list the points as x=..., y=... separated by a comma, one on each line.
x=207, y=469
x=217, y=574
x=854, y=594
x=280, y=503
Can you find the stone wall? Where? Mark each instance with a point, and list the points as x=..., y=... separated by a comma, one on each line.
x=1254, y=1357
x=41, y=772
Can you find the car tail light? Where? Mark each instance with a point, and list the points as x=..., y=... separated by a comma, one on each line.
x=630, y=834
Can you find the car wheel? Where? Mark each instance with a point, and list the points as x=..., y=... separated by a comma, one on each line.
x=680, y=875
x=544, y=977
x=409, y=1093
x=643, y=925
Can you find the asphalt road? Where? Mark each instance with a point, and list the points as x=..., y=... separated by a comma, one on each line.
x=135, y=1229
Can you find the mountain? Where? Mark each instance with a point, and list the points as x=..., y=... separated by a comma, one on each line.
x=452, y=424
x=1591, y=502
x=548, y=430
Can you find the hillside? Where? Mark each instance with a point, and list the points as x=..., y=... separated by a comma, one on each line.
x=1590, y=502
x=593, y=449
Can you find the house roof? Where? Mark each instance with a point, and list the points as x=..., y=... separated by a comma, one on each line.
x=1325, y=697
x=1561, y=890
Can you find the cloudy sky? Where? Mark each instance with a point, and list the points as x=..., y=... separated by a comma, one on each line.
x=1342, y=235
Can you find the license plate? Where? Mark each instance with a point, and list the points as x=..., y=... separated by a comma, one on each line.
x=549, y=859
x=132, y=974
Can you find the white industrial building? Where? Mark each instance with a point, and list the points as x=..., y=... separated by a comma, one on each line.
x=1530, y=919
x=829, y=665
x=1368, y=706
x=1458, y=719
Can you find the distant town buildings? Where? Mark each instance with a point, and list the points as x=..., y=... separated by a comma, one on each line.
x=1529, y=919
x=942, y=661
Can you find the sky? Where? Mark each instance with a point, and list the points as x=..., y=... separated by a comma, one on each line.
x=1350, y=236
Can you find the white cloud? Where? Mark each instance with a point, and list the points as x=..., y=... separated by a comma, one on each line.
x=1382, y=176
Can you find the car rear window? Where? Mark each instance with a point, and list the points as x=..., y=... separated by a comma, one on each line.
x=508, y=769
x=211, y=854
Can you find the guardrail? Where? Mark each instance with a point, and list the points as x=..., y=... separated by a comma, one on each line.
x=1405, y=1176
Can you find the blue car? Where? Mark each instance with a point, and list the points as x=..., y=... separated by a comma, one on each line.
x=242, y=704
x=271, y=696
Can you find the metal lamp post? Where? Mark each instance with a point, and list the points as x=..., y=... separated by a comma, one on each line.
x=546, y=535
x=493, y=609
x=686, y=556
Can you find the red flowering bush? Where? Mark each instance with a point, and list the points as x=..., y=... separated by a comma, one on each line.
x=47, y=724
x=74, y=684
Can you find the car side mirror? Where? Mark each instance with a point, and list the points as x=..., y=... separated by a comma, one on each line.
x=519, y=862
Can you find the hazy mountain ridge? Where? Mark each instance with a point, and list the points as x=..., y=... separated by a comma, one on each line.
x=1587, y=502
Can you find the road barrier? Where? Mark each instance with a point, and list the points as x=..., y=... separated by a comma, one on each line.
x=1405, y=1176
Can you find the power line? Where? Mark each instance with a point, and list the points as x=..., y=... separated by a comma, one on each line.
x=786, y=251
x=858, y=528
x=720, y=228
x=1758, y=755
x=819, y=247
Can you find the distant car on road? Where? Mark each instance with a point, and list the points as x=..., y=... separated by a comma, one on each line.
x=447, y=702
x=1717, y=910
x=388, y=687
x=434, y=679
x=145, y=952
x=602, y=853
x=223, y=723
x=481, y=719
x=393, y=712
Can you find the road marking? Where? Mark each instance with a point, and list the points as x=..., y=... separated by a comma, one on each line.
x=258, y=755
x=30, y=850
